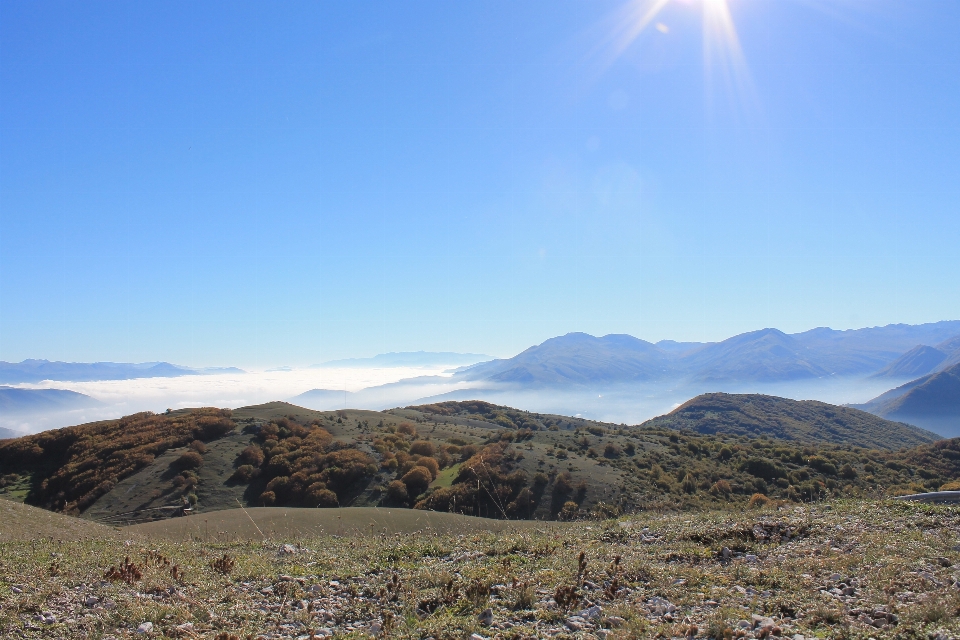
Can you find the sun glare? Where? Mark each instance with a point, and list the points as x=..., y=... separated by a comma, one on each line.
x=723, y=59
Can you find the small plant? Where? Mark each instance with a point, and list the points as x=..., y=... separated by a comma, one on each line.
x=223, y=565
x=523, y=595
x=127, y=572
x=758, y=501
x=582, y=566
x=478, y=592
x=566, y=597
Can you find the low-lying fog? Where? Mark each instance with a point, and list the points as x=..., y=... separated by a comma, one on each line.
x=382, y=388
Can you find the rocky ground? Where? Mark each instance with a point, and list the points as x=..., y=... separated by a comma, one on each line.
x=842, y=570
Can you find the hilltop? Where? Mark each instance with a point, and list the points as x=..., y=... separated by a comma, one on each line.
x=472, y=458
x=806, y=421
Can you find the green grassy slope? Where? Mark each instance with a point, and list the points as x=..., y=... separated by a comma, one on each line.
x=273, y=523
x=21, y=522
x=807, y=421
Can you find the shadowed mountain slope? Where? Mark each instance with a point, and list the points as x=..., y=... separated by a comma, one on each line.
x=15, y=401
x=919, y=361
x=807, y=421
x=932, y=401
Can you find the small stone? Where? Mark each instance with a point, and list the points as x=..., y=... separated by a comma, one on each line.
x=287, y=550
x=17, y=590
x=798, y=636
x=616, y=621
x=762, y=622
x=591, y=613
x=750, y=557
x=574, y=623
x=375, y=629
x=477, y=636
x=146, y=627
x=91, y=601
x=726, y=553
x=486, y=617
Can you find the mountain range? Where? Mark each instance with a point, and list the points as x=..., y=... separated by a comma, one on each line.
x=766, y=355
x=32, y=371
x=408, y=359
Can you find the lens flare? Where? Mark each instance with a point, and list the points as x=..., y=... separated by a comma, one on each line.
x=723, y=60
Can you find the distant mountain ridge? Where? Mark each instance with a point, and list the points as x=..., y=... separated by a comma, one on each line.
x=14, y=401
x=32, y=371
x=931, y=401
x=807, y=421
x=766, y=355
x=408, y=359
x=924, y=359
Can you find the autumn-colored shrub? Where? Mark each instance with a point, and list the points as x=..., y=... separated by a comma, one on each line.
x=407, y=429
x=244, y=473
x=81, y=463
x=417, y=480
x=758, y=500
x=422, y=448
x=397, y=491
x=198, y=446
x=486, y=484
x=431, y=465
x=251, y=455
x=299, y=467
x=268, y=498
x=189, y=460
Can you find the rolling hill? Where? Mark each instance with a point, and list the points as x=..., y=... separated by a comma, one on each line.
x=471, y=457
x=932, y=401
x=806, y=421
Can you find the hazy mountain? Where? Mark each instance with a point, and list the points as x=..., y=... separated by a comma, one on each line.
x=323, y=399
x=864, y=351
x=39, y=370
x=409, y=359
x=14, y=401
x=918, y=361
x=798, y=420
x=9, y=433
x=579, y=358
x=768, y=354
x=932, y=401
x=952, y=349
x=677, y=348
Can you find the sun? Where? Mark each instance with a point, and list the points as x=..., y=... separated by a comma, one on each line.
x=723, y=58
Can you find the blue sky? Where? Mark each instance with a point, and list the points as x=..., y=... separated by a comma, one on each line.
x=285, y=183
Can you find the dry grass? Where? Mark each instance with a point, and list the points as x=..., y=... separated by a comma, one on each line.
x=854, y=569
